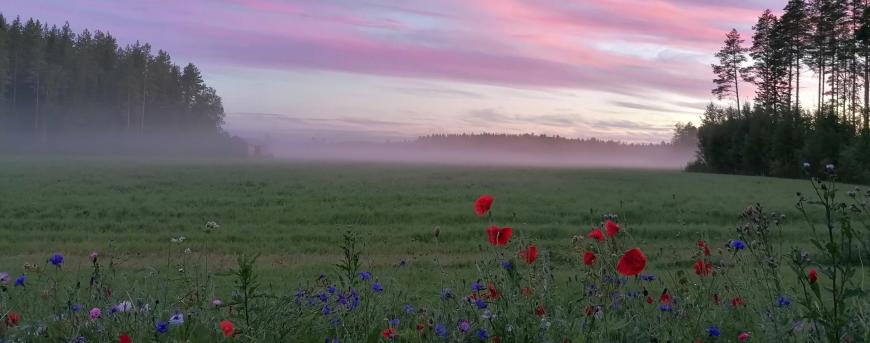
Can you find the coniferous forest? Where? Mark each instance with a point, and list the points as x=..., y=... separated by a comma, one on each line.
x=62, y=91
x=818, y=45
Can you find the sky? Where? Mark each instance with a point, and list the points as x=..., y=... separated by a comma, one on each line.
x=377, y=70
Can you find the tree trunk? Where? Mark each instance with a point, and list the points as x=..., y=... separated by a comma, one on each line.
x=797, y=88
x=866, y=90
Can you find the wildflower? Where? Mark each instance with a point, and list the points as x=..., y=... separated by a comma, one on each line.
x=440, y=330
x=540, y=311
x=81, y=339
x=394, y=323
x=665, y=308
x=176, y=319
x=211, y=225
x=507, y=265
x=596, y=234
x=649, y=300
x=530, y=255
x=589, y=258
x=477, y=286
x=737, y=302
x=737, y=244
x=703, y=246
x=409, y=309
x=743, y=336
x=19, y=282
x=611, y=228
x=632, y=263
x=591, y=311
x=830, y=168
x=648, y=278
x=482, y=334
x=389, y=333
x=227, y=327
x=446, y=294
x=12, y=319
x=806, y=165
x=783, y=302
x=377, y=288
x=331, y=289
x=812, y=276
x=93, y=256
x=487, y=315
x=4, y=278
x=162, y=327
x=365, y=276
x=703, y=269
x=480, y=304
x=323, y=297
x=463, y=326
x=124, y=306
x=95, y=313
x=665, y=298
x=499, y=236
x=713, y=331
x=124, y=339
x=217, y=302
x=493, y=292
x=482, y=205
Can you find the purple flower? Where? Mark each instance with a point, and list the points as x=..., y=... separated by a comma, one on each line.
x=463, y=326
x=162, y=327
x=482, y=334
x=365, y=276
x=377, y=288
x=648, y=277
x=394, y=323
x=737, y=245
x=477, y=287
x=323, y=297
x=326, y=310
x=331, y=289
x=409, y=309
x=19, y=282
x=4, y=278
x=440, y=330
x=783, y=302
x=176, y=319
x=713, y=331
x=75, y=308
x=56, y=260
x=665, y=308
x=507, y=265
x=480, y=304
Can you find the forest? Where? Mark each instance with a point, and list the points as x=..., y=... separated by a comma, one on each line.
x=826, y=45
x=62, y=91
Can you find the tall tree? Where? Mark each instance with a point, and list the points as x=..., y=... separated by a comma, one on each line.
x=729, y=71
x=863, y=38
x=769, y=70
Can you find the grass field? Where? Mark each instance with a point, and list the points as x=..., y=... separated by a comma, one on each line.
x=294, y=214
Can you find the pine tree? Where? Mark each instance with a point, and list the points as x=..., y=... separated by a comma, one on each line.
x=729, y=71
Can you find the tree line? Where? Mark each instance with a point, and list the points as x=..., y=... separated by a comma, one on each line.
x=776, y=133
x=58, y=87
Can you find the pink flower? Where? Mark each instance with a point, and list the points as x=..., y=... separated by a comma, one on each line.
x=95, y=313
x=743, y=336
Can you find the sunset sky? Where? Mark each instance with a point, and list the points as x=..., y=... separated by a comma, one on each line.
x=388, y=69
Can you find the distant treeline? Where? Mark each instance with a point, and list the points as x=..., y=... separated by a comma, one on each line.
x=63, y=91
x=683, y=139
x=776, y=135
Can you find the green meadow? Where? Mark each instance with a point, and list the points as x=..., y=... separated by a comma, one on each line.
x=293, y=214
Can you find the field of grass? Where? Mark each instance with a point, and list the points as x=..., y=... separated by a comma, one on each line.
x=294, y=214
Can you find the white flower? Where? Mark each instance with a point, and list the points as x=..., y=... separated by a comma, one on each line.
x=124, y=306
x=187, y=251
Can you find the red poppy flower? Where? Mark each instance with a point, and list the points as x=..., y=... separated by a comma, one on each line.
x=665, y=299
x=703, y=246
x=228, y=328
x=493, y=293
x=482, y=205
x=703, y=269
x=813, y=276
x=632, y=263
x=499, y=236
x=743, y=336
x=389, y=333
x=590, y=311
x=596, y=234
x=737, y=302
x=527, y=292
x=649, y=300
x=496, y=339
x=539, y=311
x=421, y=327
x=611, y=228
x=12, y=319
x=589, y=258
x=530, y=254
x=124, y=339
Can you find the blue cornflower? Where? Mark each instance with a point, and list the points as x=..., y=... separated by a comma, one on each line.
x=713, y=331
x=665, y=308
x=365, y=276
x=323, y=297
x=76, y=308
x=377, y=288
x=648, y=277
x=477, y=287
x=480, y=304
x=331, y=340
x=737, y=245
x=463, y=326
x=162, y=327
x=326, y=310
x=783, y=302
x=482, y=334
x=321, y=277
x=19, y=282
x=331, y=289
x=507, y=265
x=440, y=330
x=409, y=309
x=176, y=319
x=446, y=294
x=394, y=323
x=354, y=301
x=56, y=260
x=81, y=339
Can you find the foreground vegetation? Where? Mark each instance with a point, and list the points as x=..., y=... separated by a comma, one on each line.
x=197, y=251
